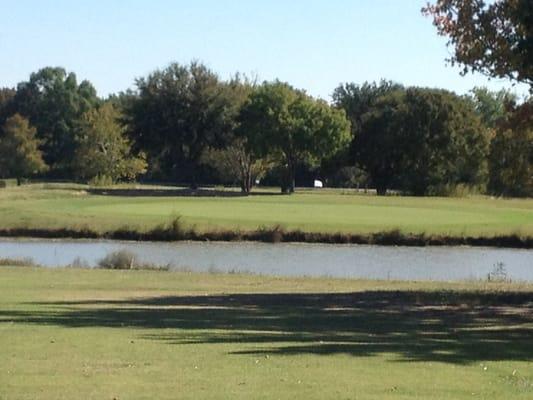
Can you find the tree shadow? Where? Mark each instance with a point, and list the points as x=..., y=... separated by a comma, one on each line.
x=180, y=192
x=445, y=326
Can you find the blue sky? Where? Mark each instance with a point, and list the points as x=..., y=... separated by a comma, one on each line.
x=313, y=44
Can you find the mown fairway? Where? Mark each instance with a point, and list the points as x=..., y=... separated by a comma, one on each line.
x=56, y=206
x=82, y=334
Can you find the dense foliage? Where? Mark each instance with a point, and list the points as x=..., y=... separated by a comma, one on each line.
x=19, y=152
x=421, y=141
x=54, y=102
x=494, y=38
x=175, y=114
x=292, y=127
x=511, y=153
x=103, y=150
x=184, y=124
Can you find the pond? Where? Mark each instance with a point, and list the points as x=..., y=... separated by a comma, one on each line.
x=294, y=259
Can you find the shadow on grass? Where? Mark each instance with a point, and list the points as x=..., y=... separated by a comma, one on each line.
x=453, y=327
x=184, y=192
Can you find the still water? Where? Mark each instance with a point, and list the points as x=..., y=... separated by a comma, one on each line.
x=294, y=259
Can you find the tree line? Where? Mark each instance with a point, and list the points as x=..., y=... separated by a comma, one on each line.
x=184, y=124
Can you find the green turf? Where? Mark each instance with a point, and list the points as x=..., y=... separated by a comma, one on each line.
x=82, y=334
x=315, y=211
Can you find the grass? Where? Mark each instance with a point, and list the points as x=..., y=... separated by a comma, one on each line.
x=17, y=262
x=103, y=334
x=124, y=259
x=329, y=211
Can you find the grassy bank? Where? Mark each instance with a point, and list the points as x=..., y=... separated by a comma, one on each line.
x=100, y=334
x=175, y=231
x=324, y=216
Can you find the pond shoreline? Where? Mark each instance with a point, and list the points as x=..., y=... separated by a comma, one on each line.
x=282, y=259
x=275, y=234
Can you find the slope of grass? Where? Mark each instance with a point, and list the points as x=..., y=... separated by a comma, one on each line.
x=96, y=334
x=312, y=211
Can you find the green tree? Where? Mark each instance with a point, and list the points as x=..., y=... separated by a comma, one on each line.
x=378, y=147
x=237, y=163
x=423, y=141
x=446, y=142
x=494, y=38
x=7, y=109
x=234, y=158
x=290, y=125
x=491, y=106
x=178, y=112
x=19, y=149
x=103, y=149
x=511, y=153
x=54, y=102
x=357, y=101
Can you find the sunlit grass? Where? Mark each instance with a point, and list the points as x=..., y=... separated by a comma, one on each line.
x=101, y=334
x=47, y=206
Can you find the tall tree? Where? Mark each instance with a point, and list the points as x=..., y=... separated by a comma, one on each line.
x=356, y=100
x=511, y=153
x=422, y=141
x=448, y=143
x=494, y=38
x=178, y=112
x=103, y=149
x=378, y=147
x=19, y=149
x=359, y=102
x=280, y=120
x=7, y=106
x=235, y=159
x=54, y=102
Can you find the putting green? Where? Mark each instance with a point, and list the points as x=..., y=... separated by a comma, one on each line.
x=310, y=211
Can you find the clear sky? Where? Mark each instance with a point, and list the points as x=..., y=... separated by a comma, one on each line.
x=312, y=44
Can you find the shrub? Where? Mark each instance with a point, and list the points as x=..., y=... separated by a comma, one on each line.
x=124, y=259
x=272, y=234
x=17, y=262
x=121, y=259
x=456, y=190
x=175, y=229
x=78, y=262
